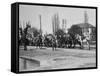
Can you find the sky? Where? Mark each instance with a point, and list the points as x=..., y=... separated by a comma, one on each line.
x=30, y=13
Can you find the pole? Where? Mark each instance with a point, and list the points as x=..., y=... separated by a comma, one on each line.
x=40, y=26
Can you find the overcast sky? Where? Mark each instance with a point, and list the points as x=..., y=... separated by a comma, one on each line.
x=72, y=15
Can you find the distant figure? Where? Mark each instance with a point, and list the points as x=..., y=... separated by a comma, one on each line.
x=40, y=41
x=54, y=43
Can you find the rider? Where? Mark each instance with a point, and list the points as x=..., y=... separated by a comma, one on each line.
x=54, y=43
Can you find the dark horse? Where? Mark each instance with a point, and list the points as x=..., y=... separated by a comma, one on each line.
x=47, y=41
x=50, y=41
x=54, y=43
x=72, y=40
x=65, y=41
x=38, y=41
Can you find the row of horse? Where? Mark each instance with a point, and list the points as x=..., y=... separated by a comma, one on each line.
x=67, y=41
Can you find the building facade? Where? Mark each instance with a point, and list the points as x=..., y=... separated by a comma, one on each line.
x=87, y=29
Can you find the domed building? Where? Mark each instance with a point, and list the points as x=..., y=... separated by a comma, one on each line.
x=86, y=28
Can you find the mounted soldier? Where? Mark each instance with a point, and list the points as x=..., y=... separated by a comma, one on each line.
x=83, y=39
x=87, y=39
x=54, y=43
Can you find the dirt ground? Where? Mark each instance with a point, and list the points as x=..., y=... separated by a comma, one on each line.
x=61, y=58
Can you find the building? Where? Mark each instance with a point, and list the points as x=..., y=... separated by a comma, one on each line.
x=87, y=29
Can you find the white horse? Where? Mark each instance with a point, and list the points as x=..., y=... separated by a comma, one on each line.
x=86, y=40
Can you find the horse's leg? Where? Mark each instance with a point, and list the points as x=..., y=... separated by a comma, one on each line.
x=67, y=44
x=25, y=47
x=55, y=46
x=52, y=48
x=88, y=45
x=39, y=45
x=74, y=44
x=80, y=45
x=70, y=44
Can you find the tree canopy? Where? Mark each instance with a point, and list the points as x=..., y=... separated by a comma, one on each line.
x=34, y=31
x=75, y=29
x=59, y=33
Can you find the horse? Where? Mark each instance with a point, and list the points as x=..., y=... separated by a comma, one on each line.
x=47, y=41
x=68, y=41
x=86, y=40
x=78, y=40
x=65, y=41
x=54, y=43
x=82, y=39
x=50, y=41
x=38, y=41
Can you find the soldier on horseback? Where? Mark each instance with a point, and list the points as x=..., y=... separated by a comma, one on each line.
x=83, y=39
x=54, y=43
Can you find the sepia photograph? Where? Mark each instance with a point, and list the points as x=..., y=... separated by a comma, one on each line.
x=54, y=37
